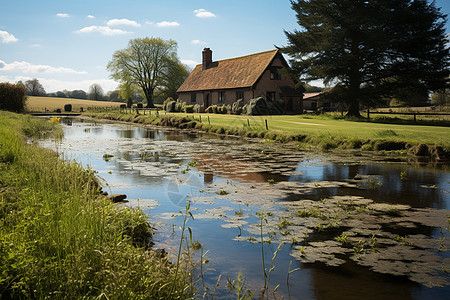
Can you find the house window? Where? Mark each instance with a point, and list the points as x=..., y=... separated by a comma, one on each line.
x=271, y=96
x=239, y=95
x=221, y=97
x=274, y=75
x=193, y=97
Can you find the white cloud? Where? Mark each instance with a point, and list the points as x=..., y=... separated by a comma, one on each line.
x=35, y=45
x=122, y=22
x=203, y=13
x=62, y=15
x=29, y=68
x=104, y=30
x=53, y=85
x=198, y=42
x=7, y=37
x=149, y=23
x=167, y=24
x=189, y=62
x=90, y=17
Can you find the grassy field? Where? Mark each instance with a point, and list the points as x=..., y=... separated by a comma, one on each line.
x=60, y=239
x=324, y=131
x=50, y=104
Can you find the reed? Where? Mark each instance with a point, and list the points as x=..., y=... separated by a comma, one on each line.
x=60, y=239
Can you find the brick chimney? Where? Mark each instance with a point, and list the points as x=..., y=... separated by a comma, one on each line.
x=206, y=58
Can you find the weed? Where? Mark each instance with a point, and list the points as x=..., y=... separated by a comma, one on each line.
x=403, y=239
x=107, y=157
x=192, y=164
x=403, y=175
x=375, y=184
x=239, y=212
x=222, y=192
x=271, y=181
x=343, y=239
x=284, y=223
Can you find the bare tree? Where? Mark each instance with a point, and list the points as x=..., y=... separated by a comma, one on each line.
x=34, y=88
x=95, y=92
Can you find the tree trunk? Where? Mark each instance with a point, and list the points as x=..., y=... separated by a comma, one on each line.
x=149, y=97
x=353, y=110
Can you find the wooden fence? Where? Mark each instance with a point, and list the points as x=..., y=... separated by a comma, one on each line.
x=414, y=114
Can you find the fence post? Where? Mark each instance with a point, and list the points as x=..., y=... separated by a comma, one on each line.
x=415, y=117
x=248, y=122
x=267, y=126
x=209, y=121
x=200, y=116
x=368, y=113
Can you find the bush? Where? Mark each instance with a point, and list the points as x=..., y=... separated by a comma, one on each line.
x=236, y=107
x=68, y=107
x=188, y=108
x=169, y=99
x=12, y=97
x=259, y=106
x=198, y=108
x=212, y=109
x=222, y=109
x=170, y=106
x=179, y=105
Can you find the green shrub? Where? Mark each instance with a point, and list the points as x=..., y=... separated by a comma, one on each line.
x=170, y=106
x=12, y=97
x=259, y=106
x=169, y=99
x=198, y=108
x=188, y=108
x=236, y=107
x=212, y=109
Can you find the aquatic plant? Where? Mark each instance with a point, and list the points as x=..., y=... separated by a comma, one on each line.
x=343, y=239
x=221, y=192
x=283, y=223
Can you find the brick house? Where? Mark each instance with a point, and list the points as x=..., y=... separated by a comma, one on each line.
x=247, y=77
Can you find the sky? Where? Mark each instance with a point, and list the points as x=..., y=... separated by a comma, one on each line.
x=67, y=44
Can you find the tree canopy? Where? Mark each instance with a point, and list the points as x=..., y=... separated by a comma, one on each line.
x=370, y=50
x=34, y=88
x=95, y=92
x=145, y=63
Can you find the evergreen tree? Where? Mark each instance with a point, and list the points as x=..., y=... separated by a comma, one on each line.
x=371, y=50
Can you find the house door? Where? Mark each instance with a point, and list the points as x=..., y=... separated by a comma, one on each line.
x=207, y=101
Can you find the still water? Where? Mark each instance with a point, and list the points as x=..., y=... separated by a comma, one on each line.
x=355, y=227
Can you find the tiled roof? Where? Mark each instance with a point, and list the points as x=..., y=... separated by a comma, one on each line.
x=230, y=73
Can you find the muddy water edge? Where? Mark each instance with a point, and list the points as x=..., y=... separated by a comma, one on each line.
x=356, y=226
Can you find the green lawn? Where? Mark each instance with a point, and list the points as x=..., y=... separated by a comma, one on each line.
x=336, y=128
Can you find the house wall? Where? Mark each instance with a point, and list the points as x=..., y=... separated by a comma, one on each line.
x=292, y=104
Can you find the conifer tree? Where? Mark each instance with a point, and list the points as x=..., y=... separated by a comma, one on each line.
x=370, y=50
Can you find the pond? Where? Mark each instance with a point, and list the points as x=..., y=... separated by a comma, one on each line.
x=352, y=226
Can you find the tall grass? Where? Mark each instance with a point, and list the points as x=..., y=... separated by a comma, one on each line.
x=60, y=239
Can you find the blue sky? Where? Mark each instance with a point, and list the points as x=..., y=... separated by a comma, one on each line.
x=67, y=44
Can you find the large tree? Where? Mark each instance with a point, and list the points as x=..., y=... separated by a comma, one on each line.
x=174, y=77
x=144, y=63
x=95, y=92
x=370, y=50
x=34, y=88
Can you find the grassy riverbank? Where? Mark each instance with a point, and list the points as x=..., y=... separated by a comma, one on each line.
x=60, y=239
x=324, y=132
